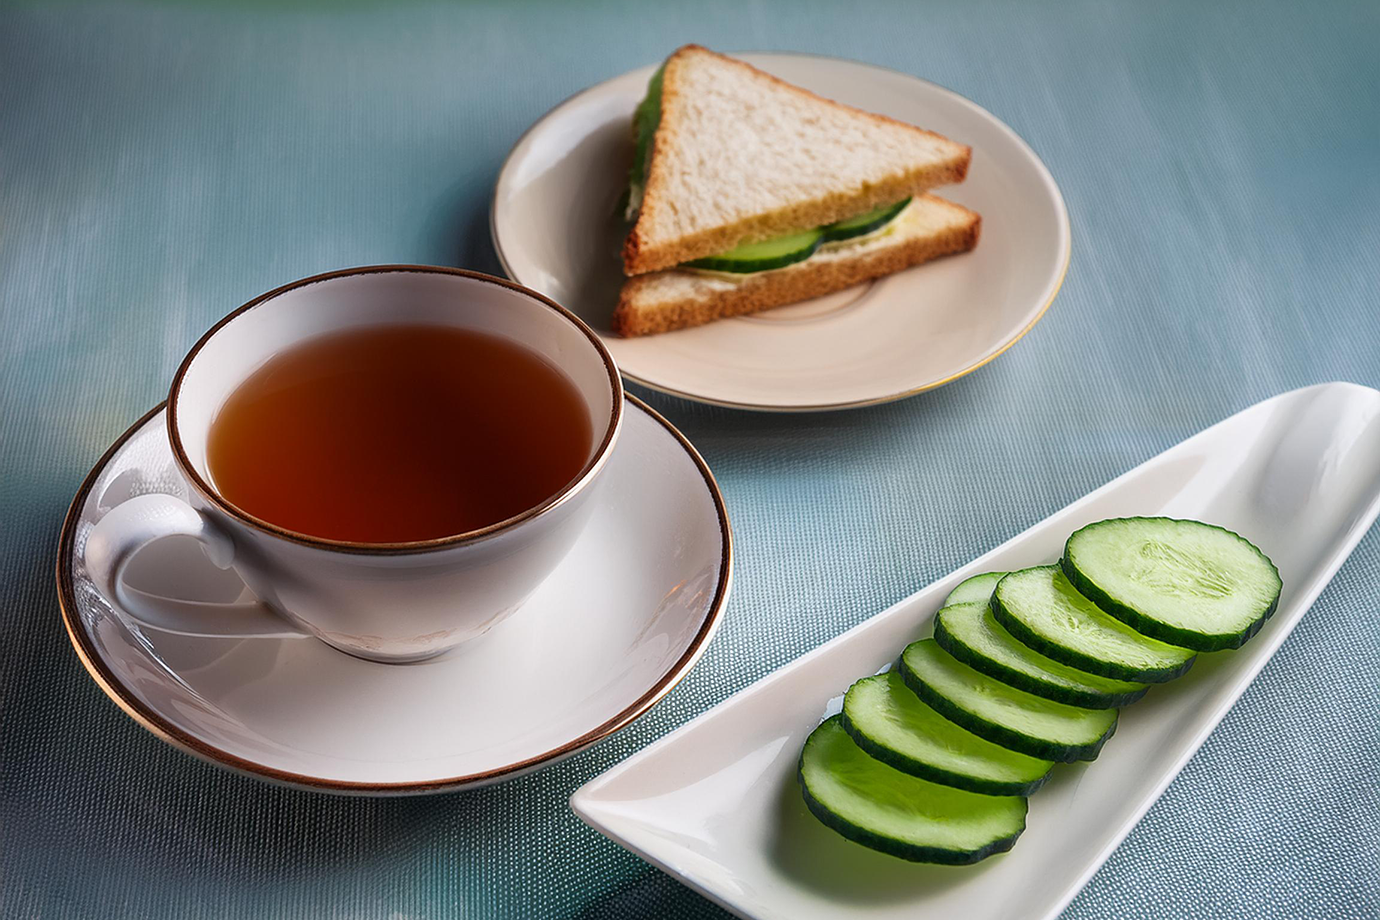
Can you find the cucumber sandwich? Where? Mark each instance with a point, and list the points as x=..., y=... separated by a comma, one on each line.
x=748, y=193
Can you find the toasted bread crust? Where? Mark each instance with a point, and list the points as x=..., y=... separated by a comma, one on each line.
x=640, y=256
x=773, y=289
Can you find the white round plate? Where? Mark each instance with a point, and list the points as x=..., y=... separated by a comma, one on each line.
x=623, y=618
x=557, y=229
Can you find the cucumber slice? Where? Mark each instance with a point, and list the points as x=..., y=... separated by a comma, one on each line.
x=1012, y=718
x=764, y=256
x=863, y=224
x=645, y=121
x=975, y=590
x=1040, y=608
x=888, y=721
x=1182, y=582
x=870, y=803
x=971, y=634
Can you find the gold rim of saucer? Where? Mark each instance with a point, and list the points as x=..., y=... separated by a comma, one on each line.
x=136, y=709
x=580, y=482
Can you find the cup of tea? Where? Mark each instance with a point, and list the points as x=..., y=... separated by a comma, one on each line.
x=392, y=458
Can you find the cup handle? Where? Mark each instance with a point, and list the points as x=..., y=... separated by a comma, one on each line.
x=132, y=525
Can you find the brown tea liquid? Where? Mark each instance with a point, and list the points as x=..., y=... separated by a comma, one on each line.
x=398, y=433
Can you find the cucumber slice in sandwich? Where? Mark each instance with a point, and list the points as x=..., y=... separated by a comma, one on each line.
x=888, y=721
x=1040, y=608
x=764, y=256
x=664, y=301
x=971, y=634
x=1000, y=713
x=976, y=590
x=645, y=121
x=863, y=224
x=1182, y=582
x=870, y=803
x=781, y=251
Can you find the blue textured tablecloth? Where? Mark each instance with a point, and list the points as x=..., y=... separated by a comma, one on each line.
x=162, y=163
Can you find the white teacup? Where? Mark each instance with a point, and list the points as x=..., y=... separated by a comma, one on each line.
x=390, y=602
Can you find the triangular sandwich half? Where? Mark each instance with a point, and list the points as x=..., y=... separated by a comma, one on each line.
x=740, y=174
x=739, y=156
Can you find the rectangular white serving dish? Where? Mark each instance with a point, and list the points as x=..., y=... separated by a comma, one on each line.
x=716, y=804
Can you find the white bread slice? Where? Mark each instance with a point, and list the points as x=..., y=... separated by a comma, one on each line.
x=662, y=301
x=741, y=156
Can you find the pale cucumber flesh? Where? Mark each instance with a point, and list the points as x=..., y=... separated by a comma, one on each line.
x=975, y=590
x=891, y=723
x=1000, y=713
x=1185, y=582
x=1040, y=608
x=880, y=807
x=971, y=634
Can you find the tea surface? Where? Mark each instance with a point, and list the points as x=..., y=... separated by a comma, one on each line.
x=397, y=434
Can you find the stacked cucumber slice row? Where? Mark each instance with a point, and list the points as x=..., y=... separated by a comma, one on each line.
x=932, y=760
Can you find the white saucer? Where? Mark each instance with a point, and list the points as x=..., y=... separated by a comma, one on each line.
x=557, y=229
x=623, y=618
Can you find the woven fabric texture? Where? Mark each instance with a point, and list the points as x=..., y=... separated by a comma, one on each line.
x=162, y=163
